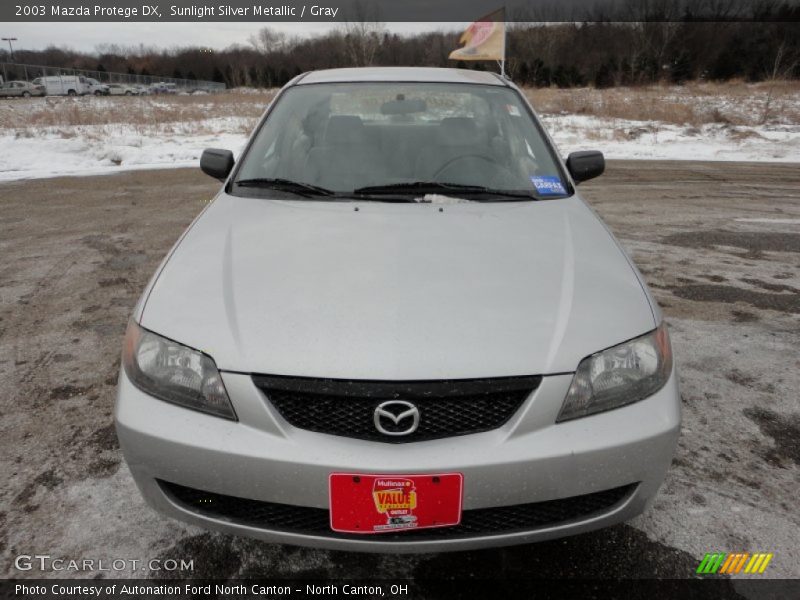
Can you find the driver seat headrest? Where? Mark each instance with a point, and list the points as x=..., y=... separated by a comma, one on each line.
x=459, y=131
x=344, y=129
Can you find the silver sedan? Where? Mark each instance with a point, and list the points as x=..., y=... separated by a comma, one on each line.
x=21, y=89
x=398, y=328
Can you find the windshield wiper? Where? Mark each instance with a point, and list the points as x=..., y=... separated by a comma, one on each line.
x=286, y=185
x=414, y=186
x=436, y=186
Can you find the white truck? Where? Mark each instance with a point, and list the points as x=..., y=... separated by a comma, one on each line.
x=63, y=85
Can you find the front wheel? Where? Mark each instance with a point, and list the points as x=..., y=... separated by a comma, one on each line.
x=72, y=93
x=129, y=93
x=26, y=94
x=98, y=93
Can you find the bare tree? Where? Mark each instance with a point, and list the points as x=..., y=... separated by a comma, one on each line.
x=783, y=65
x=362, y=34
x=268, y=40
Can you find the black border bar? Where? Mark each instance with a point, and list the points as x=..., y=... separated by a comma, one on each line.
x=386, y=11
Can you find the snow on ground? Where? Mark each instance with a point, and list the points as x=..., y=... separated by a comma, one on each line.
x=103, y=149
x=159, y=135
x=625, y=139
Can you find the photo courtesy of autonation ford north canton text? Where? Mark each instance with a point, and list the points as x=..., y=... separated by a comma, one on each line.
x=421, y=300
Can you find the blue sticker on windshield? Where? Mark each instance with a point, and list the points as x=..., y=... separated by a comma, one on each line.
x=548, y=185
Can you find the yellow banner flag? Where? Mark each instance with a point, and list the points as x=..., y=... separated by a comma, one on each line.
x=485, y=39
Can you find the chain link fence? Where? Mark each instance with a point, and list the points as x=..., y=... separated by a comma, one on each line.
x=146, y=83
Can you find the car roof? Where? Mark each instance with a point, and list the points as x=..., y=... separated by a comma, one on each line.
x=416, y=74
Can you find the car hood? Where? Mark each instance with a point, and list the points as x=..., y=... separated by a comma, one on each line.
x=372, y=290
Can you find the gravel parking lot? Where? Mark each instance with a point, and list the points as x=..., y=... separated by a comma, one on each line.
x=719, y=244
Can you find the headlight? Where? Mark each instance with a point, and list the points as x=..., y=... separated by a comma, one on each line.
x=174, y=373
x=620, y=375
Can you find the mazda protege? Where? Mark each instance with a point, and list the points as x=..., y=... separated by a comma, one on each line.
x=398, y=328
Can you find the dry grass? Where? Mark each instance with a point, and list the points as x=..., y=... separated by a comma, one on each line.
x=145, y=112
x=734, y=103
x=692, y=105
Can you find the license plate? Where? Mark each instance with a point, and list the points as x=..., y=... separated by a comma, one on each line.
x=390, y=503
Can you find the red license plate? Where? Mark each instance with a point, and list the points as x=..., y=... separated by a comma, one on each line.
x=391, y=503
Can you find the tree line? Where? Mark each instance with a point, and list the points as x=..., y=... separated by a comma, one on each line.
x=601, y=54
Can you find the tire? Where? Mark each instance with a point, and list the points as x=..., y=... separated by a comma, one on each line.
x=129, y=93
x=72, y=93
x=98, y=93
x=26, y=94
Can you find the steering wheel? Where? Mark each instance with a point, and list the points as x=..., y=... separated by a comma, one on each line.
x=498, y=176
x=452, y=161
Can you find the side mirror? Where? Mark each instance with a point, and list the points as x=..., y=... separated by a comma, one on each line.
x=217, y=163
x=586, y=165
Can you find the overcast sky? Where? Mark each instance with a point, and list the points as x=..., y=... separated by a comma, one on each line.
x=86, y=36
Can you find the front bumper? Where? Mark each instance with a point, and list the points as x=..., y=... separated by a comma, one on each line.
x=530, y=459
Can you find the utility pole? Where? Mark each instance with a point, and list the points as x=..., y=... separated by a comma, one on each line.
x=10, y=47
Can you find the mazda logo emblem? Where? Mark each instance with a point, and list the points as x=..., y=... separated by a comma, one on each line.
x=393, y=412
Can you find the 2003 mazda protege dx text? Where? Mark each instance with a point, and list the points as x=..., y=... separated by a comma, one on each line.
x=398, y=328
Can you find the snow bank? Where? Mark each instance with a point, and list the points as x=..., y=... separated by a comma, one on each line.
x=100, y=149
x=653, y=140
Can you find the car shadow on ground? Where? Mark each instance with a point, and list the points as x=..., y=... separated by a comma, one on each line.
x=612, y=553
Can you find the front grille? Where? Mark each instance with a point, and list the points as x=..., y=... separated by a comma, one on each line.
x=474, y=523
x=347, y=408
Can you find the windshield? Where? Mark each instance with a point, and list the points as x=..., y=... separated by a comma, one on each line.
x=353, y=137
